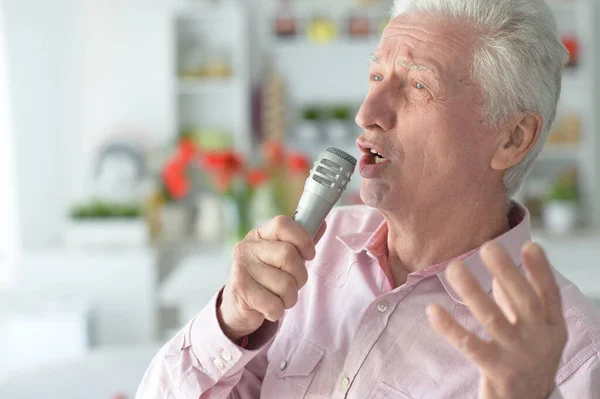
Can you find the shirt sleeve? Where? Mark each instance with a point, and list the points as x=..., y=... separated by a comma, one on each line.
x=201, y=362
x=582, y=384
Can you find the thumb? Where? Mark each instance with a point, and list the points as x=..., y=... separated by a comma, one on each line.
x=320, y=232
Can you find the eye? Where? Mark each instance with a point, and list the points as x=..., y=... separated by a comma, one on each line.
x=376, y=78
x=419, y=86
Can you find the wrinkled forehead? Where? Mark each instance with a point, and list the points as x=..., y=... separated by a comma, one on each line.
x=429, y=41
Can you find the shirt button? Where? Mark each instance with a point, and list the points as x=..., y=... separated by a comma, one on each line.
x=283, y=365
x=218, y=364
x=382, y=307
x=345, y=383
x=226, y=355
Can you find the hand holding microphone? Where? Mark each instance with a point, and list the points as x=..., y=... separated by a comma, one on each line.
x=268, y=267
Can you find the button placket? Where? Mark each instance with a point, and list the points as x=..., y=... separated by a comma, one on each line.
x=226, y=355
x=218, y=364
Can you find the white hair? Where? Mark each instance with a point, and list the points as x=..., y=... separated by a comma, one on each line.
x=518, y=61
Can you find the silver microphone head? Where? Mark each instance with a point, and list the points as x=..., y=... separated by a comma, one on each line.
x=328, y=179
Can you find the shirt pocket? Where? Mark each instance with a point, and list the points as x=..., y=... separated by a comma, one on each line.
x=337, y=273
x=294, y=362
x=384, y=391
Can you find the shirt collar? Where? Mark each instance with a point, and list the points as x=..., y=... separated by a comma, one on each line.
x=513, y=240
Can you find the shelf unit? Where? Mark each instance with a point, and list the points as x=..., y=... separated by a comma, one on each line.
x=213, y=103
x=579, y=96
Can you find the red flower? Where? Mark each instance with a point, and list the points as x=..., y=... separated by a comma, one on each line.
x=175, y=178
x=298, y=163
x=256, y=178
x=223, y=166
x=187, y=149
x=274, y=152
x=222, y=161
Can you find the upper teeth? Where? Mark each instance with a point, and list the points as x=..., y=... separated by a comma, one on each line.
x=375, y=152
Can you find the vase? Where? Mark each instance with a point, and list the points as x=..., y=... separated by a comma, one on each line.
x=175, y=222
x=209, y=223
x=237, y=221
x=560, y=217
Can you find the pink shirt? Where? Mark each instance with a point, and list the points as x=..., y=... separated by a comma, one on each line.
x=352, y=335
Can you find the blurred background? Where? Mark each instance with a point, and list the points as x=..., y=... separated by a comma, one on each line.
x=141, y=139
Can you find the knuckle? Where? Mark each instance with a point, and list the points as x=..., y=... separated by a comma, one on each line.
x=288, y=284
x=492, y=323
x=280, y=221
x=532, y=307
x=289, y=253
x=239, y=250
x=468, y=343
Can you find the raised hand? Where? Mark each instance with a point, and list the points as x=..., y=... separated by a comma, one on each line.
x=525, y=323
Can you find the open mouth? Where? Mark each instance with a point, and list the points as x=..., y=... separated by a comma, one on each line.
x=372, y=156
x=377, y=157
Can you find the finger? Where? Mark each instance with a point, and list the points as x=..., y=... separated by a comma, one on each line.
x=283, y=228
x=284, y=256
x=480, y=352
x=542, y=279
x=277, y=281
x=516, y=287
x=503, y=302
x=483, y=308
x=320, y=232
x=265, y=302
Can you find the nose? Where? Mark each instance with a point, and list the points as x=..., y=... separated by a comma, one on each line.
x=377, y=111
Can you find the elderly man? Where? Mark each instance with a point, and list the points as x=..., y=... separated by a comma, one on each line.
x=433, y=290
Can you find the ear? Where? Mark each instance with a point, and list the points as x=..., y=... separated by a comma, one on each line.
x=517, y=141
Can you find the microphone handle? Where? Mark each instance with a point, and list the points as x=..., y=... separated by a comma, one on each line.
x=311, y=212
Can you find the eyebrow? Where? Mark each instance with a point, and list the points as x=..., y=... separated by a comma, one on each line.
x=377, y=60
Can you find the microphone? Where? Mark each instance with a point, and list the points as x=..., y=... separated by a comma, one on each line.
x=328, y=179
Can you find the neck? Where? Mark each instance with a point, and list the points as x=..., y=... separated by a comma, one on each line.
x=431, y=236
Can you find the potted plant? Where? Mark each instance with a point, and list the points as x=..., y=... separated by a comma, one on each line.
x=338, y=125
x=560, y=207
x=236, y=183
x=309, y=128
x=102, y=223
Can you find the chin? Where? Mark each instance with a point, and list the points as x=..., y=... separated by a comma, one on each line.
x=373, y=195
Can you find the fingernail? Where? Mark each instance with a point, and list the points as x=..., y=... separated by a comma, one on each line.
x=453, y=268
x=430, y=311
x=531, y=248
x=490, y=246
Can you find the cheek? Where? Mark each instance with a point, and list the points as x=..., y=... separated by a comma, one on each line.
x=451, y=148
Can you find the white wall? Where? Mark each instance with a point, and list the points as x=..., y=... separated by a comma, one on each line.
x=41, y=39
x=127, y=75
x=80, y=71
